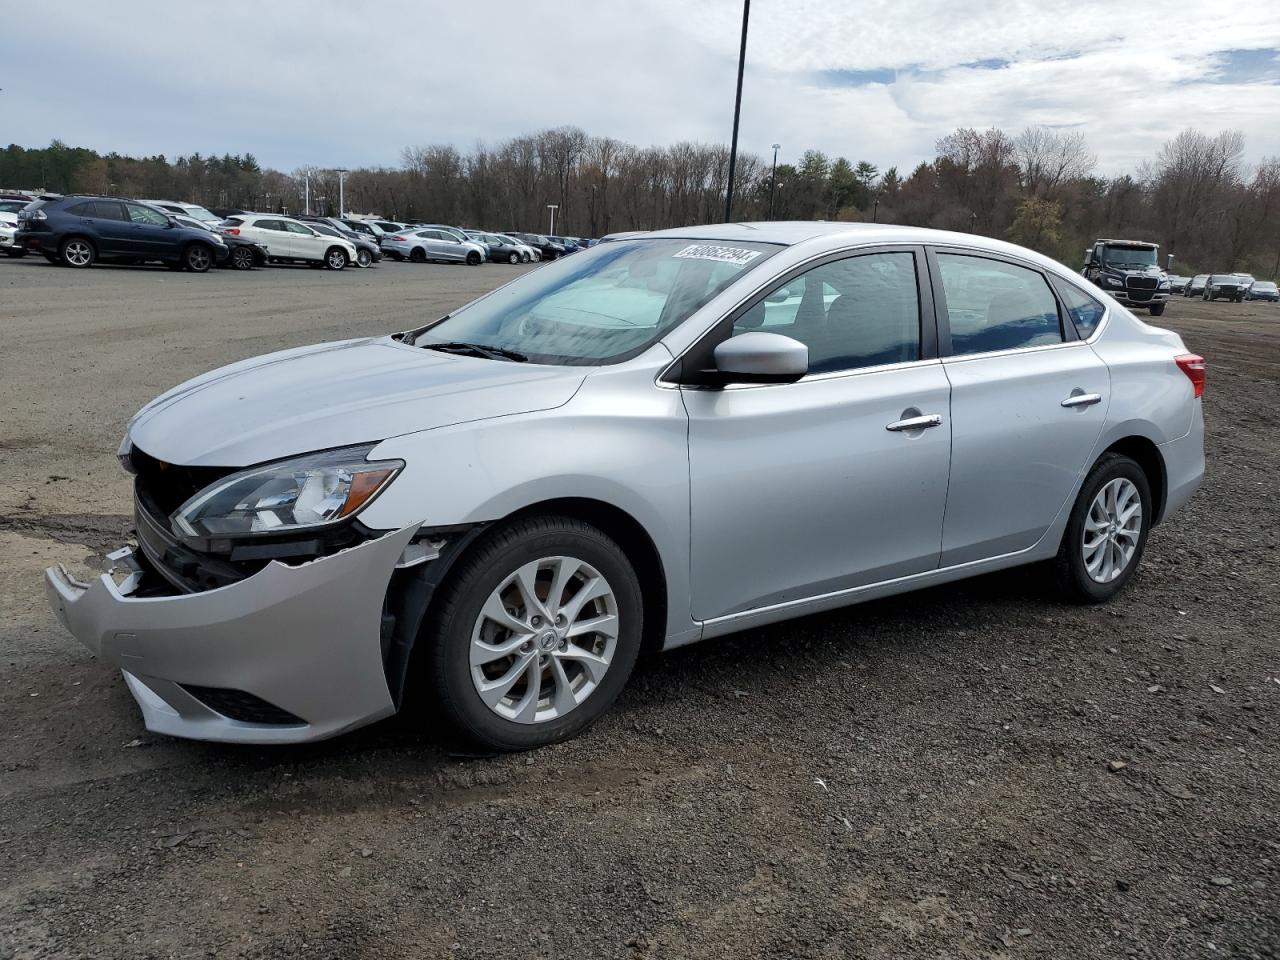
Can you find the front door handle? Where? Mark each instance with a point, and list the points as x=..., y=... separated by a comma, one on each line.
x=916, y=423
x=1082, y=400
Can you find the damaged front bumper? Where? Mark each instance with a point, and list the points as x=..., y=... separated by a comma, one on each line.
x=290, y=654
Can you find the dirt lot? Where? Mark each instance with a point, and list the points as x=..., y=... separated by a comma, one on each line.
x=914, y=777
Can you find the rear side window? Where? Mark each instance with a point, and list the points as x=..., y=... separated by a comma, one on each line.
x=109, y=210
x=82, y=209
x=993, y=305
x=1084, y=311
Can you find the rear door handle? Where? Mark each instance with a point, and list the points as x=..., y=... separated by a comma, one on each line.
x=1082, y=400
x=916, y=423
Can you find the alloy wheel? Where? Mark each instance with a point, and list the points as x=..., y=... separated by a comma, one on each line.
x=78, y=253
x=1112, y=529
x=544, y=640
x=198, y=259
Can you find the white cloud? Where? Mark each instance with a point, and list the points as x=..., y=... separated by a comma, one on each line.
x=330, y=82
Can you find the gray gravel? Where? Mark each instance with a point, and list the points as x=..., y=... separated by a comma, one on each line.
x=973, y=771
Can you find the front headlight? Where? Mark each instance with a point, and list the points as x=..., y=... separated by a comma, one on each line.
x=308, y=492
x=1113, y=281
x=1164, y=284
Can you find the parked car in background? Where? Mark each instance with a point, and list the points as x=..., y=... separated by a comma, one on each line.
x=224, y=212
x=365, y=228
x=291, y=241
x=368, y=252
x=1195, y=286
x=9, y=210
x=569, y=243
x=388, y=226
x=192, y=210
x=8, y=240
x=1177, y=284
x=433, y=243
x=1225, y=286
x=549, y=249
x=79, y=230
x=242, y=253
x=502, y=249
x=1262, y=290
x=622, y=235
x=518, y=497
x=1245, y=278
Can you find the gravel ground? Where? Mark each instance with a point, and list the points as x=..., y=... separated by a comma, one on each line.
x=978, y=771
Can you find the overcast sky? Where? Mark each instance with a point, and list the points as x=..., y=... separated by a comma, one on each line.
x=350, y=84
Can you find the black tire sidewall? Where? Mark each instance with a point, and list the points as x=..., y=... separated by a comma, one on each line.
x=449, y=627
x=1076, y=579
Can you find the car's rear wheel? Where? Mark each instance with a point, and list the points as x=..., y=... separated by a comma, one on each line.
x=242, y=258
x=197, y=258
x=513, y=258
x=418, y=255
x=474, y=259
x=77, y=252
x=1107, y=531
x=364, y=257
x=535, y=633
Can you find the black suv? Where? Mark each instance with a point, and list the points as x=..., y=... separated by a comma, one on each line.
x=547, y=247
x=78, y=230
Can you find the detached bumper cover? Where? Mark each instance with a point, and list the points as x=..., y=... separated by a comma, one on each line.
x=305, y=639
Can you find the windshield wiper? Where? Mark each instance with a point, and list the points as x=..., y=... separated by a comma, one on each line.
x=477, y=350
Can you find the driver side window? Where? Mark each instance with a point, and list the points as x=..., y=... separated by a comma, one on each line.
x=140, y=214
x=861, y=311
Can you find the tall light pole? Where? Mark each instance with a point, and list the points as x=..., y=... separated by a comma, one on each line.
x=737, y=109
x=773, y=178
x=342, y=178
x=875, y=211
x=553, y=207
x=306, y=193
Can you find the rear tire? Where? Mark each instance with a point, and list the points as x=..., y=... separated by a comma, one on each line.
x=514, y=258
x=1100, y=549
x=589, y=665
x=77, y=252
x=418, y=255
x=17, y=252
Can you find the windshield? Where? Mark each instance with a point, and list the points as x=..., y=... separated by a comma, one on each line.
x=603, y=305
x=1129, y=256
x=1224, y=278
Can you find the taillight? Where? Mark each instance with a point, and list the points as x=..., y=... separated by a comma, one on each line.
x=397, y=239
x=1193, y=367
x=234, y=231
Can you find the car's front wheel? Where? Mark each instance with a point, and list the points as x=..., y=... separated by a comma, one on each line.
x=364, y=257
x=197, y=258
x=535, y=634
x=1157, y=309
x=335, y=258
x=242, y=258
x=474, y=259
x=1107, y=531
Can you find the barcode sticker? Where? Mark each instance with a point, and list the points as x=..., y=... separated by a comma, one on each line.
x=711, y=251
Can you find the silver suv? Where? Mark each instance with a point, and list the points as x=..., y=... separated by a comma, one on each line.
x=662, y=439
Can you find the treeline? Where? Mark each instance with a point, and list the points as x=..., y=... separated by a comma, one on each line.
x=1040, y=188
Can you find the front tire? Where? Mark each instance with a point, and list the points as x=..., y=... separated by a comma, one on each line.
x=77, y=252
x=1107, y=532
x=197, y=258
x=242, y=258
x=474, y=259
x=535, y=634
x=17, y=252
x=364, y=257
x=335, y=258
x=1157, y=309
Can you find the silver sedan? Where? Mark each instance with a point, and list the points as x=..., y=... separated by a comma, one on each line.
x=661, y=440
x=421, y=245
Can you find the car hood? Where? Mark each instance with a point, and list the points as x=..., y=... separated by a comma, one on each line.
x=335, y=395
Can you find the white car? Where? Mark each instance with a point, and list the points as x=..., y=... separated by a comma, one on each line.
x=7, y=244
x=433, y=243
x=291, y=240
x=192, y=210
x=9, y=211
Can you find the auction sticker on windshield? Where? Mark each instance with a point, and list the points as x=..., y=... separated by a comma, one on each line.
x=709, y=251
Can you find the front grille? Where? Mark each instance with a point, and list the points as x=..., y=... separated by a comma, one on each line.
x=1142, y=283
x=1140, y=296
x=164, y=487
x=243, y=707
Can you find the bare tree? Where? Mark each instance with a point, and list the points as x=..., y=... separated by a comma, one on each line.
x=1048, y=159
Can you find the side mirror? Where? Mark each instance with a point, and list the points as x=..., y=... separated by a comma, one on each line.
x=758, y=357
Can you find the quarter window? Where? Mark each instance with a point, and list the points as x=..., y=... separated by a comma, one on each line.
x=1084, y=311
x=861, y=311
x=993, y=305
x=108, y=210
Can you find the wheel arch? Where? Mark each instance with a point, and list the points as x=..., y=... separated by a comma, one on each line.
x=1146, y=454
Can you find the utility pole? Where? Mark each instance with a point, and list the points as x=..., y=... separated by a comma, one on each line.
x=737, y=110
x=875, y=211
x=342, y=178
x=306, y=193
x=773, y=178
